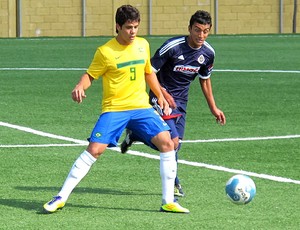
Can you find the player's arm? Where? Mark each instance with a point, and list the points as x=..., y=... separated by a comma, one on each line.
x=78, y=93
x=159, y=60
x=155, y=87
x=207, y=91
x=169, y=98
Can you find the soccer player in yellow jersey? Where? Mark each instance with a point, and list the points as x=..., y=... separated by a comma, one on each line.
x=124, y=65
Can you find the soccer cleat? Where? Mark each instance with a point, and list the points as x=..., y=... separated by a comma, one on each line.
x=174, y=208
x=127, y=141
x=54, y=204
x=178, y=190
x=157, y=107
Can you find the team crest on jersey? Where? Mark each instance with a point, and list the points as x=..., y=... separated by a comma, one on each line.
x=201, y=59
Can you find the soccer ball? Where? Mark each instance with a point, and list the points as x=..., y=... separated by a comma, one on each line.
x=240, y=189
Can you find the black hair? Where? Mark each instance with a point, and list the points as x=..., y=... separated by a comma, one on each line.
x=201, y=17
x=127, y=13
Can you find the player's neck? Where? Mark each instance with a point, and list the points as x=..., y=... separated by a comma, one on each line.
x=192, y=44
x=123, y=42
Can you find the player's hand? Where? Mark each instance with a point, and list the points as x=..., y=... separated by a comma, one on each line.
x=78, y=94
x=220, y=117
x=169, y=99
x=164, y=105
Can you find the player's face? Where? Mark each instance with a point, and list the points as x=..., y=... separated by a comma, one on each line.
x=198, y=34
x=127, y=32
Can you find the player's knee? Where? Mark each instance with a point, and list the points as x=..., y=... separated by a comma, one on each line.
x=96, y=149
x=163, y=142
x=167, y=146
x=176, y=142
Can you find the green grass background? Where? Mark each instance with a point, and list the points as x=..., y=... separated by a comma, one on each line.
x=123, y=191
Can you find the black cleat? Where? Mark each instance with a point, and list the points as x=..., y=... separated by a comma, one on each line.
x=127, y=141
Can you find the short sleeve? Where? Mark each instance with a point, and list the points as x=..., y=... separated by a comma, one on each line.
x=98, y=65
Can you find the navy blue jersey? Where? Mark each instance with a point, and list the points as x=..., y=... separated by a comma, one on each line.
x=177, y=65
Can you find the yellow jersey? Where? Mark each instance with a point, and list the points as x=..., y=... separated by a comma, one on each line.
x=123, y=69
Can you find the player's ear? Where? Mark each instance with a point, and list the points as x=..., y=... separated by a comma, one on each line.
x=189, y=28
x=118, y=28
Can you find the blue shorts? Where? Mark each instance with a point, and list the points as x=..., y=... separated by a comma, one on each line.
x=146, y=123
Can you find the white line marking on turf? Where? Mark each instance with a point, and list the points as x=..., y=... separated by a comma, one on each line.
x=41, y=145
x=40, y=133
x=243, y=139
x=256, y=71
x=151, y=156
x=83, y=69
x=43, y=69
x=236, y=139
x=235, y=171
x=215, y=167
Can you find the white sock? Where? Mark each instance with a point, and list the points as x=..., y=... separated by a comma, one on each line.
x=79, y=169
x=168, y=169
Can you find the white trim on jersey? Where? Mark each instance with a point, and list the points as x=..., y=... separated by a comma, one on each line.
x=154, y=70
x=206, y=77
x=170, y=45
x=209, y=47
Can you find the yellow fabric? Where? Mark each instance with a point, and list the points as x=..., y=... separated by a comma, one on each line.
x=123, y=70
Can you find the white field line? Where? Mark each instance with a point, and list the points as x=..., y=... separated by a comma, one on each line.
x=256, y=71
x=41, y=145
x=215, y=167
x=83, y=69
x=42, y=69
x=151, y=156
x=40, y=133
x=243, y=139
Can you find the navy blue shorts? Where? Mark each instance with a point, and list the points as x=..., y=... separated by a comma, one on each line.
x=177, y=124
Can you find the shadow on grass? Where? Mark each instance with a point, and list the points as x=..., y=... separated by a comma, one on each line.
x=37, y=206
x=80, y=190
x=34, y=205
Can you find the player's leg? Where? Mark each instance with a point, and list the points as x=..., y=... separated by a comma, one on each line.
x=180, y=127
x=168, y=166
x=168, y=171
x=106, y=132
x=130, y=138
x=132, y=135
x=178, y=191
x=154, y=131
x=78, y=171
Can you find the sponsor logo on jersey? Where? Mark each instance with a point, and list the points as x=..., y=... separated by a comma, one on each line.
x=186, y=69
x=201, y=59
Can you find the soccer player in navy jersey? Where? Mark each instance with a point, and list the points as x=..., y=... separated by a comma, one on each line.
x=178, y=62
